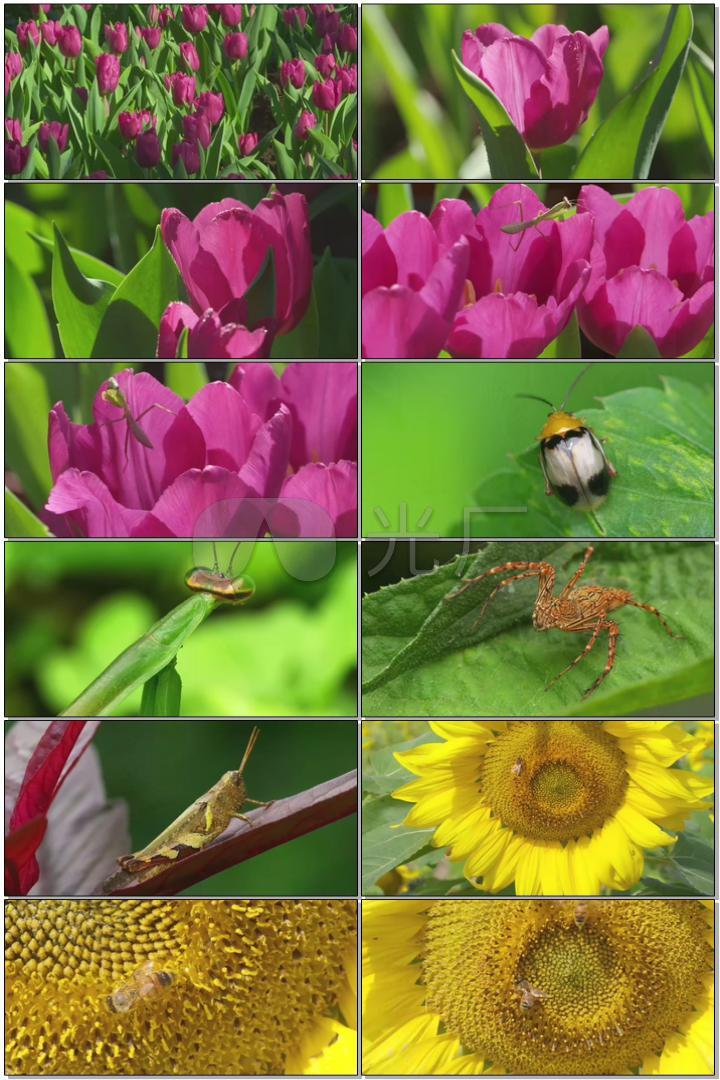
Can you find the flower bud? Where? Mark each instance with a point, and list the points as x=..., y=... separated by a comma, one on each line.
x=190, y=55
x=117, y=37
x=306, y=121
x=26, y=32
x=16, y=157
x=147, y=150
x=325, y=64
x=152, y=35
x=13, y=129
x=327, y=95
x=295, y=16
x=197, y=128
x=231, y=14
x=347, y=38
x=194, y=17
x=247, y=143
x=107, y=67
x=292, y=71
x=53, y=130
x=189, y=154
x=347, y=76
x=236, y=46
x=213, y=105
x=69, y=41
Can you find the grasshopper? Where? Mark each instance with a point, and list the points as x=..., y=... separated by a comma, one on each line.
x=201, y=823
x=555, y=211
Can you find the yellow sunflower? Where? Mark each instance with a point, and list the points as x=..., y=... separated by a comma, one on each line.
x=538, y=987
x=559, y=807
x=180, y=987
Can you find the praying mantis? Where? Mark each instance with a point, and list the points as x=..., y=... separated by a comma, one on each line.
x=114, y=396
x=555, y=212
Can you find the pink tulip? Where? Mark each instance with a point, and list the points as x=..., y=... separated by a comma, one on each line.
x=165, y=16
x=305, y=121
x=99, y=174
x=69, y=41
x=190, y=55
x=182, y=88
x=347, y=38
x=16, y=157
x=327, y=95
x=81, y=94
x=247, y=143
x=148, y=151
x=107, y=67
x=221, y=253
x=292, y=71
x=236, y=46
x=295, y=16
x=132, y=124
x=412, y=286
x=328, y=43
x=56, y=131
x=197, y=128
x=212, y=105
x=13, y=67
x=194, y=17
x=325, y=64
x=150, y=34
x=49, y=31
x=28, y=31
x=650, y=268
x=117, y=37
x=188, y=153
x=37, y=8
x=208, y=337
x=547, y=84
x=13, y=129
x=230, y=14
x=153, y=13
x=347, y=77
x=519, y=295
x=325, y=19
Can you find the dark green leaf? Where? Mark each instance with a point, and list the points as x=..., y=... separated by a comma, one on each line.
x=508, y=156
x=20, y=520
x=79, y=302
x=335, y=289
x=566, y=345
x=88, y=264
x=386, y=844
x=260, y=297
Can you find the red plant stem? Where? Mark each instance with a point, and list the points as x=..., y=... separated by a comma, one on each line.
x=283, y=820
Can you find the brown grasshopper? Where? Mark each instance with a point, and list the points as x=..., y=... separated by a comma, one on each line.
x=201, y=823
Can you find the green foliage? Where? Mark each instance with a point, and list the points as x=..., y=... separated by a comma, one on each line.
x=26, y=416
x=20, y=520
x=424, y=656
x=162, y=694
x=80, y=302
x=661, y=444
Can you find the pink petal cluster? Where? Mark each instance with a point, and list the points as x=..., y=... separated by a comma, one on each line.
x=28, y=32
x=547, y=83
x=292, y=72
x=13, y=67
x=219, y=255
x=56, y=131
x=195, y=17
x=108, y=72
x=116, y=37
x=133, y=124
x=190, y=55
x=303, y=124
x=69, y=40
x=258, y=454
x=650, y=268
x=182, y=88
x=152, y=35
x=16, y=157
x=148, y=150
x=236, y=46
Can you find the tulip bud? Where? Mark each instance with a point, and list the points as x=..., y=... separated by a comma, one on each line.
x=247, y=143
x=56, y=131
x=190, y=55
x=130, y=125
x=150, y=34
x=28, y=31
x=153, y=13
x=81, y=94
x=189, y=154
x=13, y=129
x=197, y=128
x=325, y=64
x=212, y=105
x=182, y=87
x=295, y=16
x=69, y=41
x=231, y=14
x=16, y=157
x=195, y=18
x=347, y=38
x=49, y=31
x=236, y=46
x=327, y=95
x=306, y=121
x=292, y=71
x=347, y=76
x=147, y=150
x=99, y=174
x=37, y=8
x=328, y=43
x=107, y=67
x=117, y=37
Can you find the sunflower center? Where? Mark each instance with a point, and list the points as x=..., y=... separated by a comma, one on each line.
x=536, y=989
x=554, y=779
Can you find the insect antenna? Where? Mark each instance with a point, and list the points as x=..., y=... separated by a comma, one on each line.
x=573, y=384
x=254, y=736
x=232, y=558
x=534, y=397
x=216, y=565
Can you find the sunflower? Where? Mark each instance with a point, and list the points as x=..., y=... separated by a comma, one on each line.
x=560, y=807
x=538, y=987
x=181, y=987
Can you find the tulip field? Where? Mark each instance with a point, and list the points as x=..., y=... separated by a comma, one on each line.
x=509, y=91
x=495, y=272
x=182, y=90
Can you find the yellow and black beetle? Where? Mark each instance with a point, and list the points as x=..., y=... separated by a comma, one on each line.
x=572, y=458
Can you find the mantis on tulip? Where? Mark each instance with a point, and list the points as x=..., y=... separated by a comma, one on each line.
x=522, y=226
x=114, y=396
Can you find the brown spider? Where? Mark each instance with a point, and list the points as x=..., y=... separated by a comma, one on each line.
x=575, y=610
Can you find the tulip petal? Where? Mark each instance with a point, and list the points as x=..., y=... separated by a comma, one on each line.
x=81, y=505
x=227, y=423
x=511, y=67
x=267, y=463
x=259, y=386
x=379, y=266
x=451, y=219
x=322, y=399
x=318, y=501
x=210, y=502
x=414, y=244
x=691, y=256
x=634, y=297
x=176, y=317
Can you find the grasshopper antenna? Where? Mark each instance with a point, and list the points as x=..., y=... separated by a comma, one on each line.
x=254, y=736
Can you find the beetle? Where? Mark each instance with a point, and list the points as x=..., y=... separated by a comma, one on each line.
x=572, y=458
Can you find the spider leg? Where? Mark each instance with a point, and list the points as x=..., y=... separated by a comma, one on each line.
x=613, y=634
x=654, y=611
x=534, y=567
x=602, y=625
x=496, y=590
x=579, y=572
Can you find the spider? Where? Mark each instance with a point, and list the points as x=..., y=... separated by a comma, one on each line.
x=575, y=610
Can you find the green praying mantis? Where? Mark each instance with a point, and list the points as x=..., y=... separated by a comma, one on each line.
x=553, y=214
x=113, y=395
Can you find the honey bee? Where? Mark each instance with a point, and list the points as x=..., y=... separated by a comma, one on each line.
x=580, y=915
x=529, y=995
x=518, y=767
x=145, y=981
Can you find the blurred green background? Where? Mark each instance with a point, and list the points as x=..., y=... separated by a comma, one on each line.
x=159, y=767
x=408, y=82
x=72, y=606
x=116, y=222
x=458, y=423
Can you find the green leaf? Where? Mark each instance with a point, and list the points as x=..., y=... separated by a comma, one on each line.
x=260, y=296
x=386, y=844
x=324, y=144
x=245, y=98
x=88, y=264
x=566, y=345
x=183, y=344
x=624, y=144
x=214, y=153
x=286, y=164
x=508, y=156
x=130, y=324
x=702, y=90
x=393, y=200
x=27, y=329
x=302, y=342
x=661, y=444
x=639, y=345
x=426, y=123
x=335, y=290
x=95, y=111
x=692, y=863
x=27, y=407
x=79, y=302
x=20, y=520
x=424, y=657
x=185, y=379
x=161, y=695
